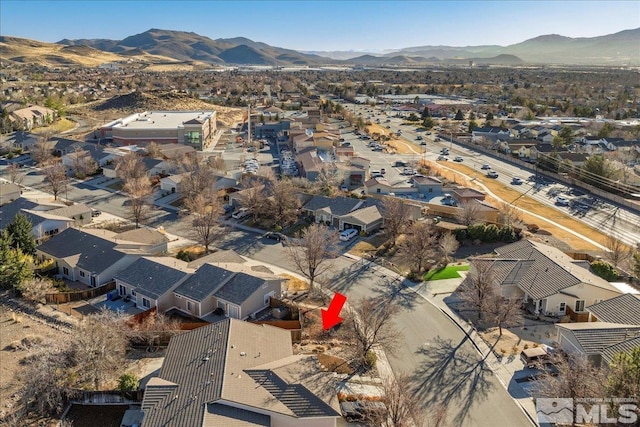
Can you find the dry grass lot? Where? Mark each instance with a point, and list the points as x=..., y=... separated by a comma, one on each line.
x=507, y=194
x=508, y=344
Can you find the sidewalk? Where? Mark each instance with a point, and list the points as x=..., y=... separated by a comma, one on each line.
x=505, y=369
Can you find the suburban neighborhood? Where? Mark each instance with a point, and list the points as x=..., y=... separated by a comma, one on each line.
x=330, y=245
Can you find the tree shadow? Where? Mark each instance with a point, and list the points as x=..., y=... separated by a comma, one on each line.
x=394, y=290
x=345, y=278
x=451, y=374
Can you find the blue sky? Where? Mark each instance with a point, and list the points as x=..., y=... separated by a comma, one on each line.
x=323, y=25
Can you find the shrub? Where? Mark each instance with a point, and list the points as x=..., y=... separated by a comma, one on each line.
x=491, y=233
x=460, y=234
x=184, y=256
x=413, y=276
x=476, y=231
x=370, y=359
x=526, y=346
x=128, y=382
x=277, y=228
x=604, y=270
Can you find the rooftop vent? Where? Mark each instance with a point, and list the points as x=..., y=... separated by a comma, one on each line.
x=242, y=353
x=206, y=358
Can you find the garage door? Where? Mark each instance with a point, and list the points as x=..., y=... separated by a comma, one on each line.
x=347, y=226
x=234, y=312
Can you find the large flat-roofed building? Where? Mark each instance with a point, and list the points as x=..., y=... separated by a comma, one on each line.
x=193, y=128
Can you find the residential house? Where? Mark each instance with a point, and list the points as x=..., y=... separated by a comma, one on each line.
x=547, y=280
x=149, y=281
x=238, y=290
x=144, y=240
x=171, y=184
x=367, y=220
x=19, y=139
x=175, y=151
x=32, y=116
x=233, y=373
x=9, y=192
x=96, y=152
x=80, y=256
x=330, y=209
x=598, y=341
x=310, y=164
x=153, y=167
x=490, y=134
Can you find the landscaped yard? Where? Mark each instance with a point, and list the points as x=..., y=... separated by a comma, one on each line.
x=117, y=186
x=449, y=272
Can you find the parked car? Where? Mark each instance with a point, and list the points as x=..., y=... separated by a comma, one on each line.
x=274, y=235
x=458, y=159
x=348, y=234
x=344, y=188
x=562, y=201
x=492, y=174
x=486, y=167
x=241, y=213
x=95, y=213
x=516, y=181
x=442, y=158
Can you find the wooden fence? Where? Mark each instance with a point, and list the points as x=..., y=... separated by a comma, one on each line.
x=293, y=326
x=577, y=317
x=64, y=297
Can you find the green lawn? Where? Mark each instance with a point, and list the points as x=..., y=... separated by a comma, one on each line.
x=450, y=272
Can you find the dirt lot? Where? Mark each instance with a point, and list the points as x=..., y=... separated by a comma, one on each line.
x=18, y=329
x=96, y=416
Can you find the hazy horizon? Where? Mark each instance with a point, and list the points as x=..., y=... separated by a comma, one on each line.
x=359, y=26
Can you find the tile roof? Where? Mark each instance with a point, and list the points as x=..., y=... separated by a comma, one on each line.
x=152, y=276
x=337, y=206
x=207, y=279
x=217, y=415
x=218, y=257
x=551, y=269
x=92, y=253
x=366, y=215
x=625, y=346
x=623, y=309
x=142, y=235
x=594, y=337
x=240, y=287
x=224, y=362
x=11, y=209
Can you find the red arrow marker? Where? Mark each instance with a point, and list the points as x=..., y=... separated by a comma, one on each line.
x=331, y=316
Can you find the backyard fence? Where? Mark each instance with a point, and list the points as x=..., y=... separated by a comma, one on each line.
x=85, y=397
x=64, y=297
x=293, y=326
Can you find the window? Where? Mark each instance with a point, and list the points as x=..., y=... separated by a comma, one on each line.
x=123, y=290
x=189, y=306
x=133, y=293
x=146, y=303
x=377, y=190
x=563, y=307
x=81, y=273
x=65, y=271
x=579, y=305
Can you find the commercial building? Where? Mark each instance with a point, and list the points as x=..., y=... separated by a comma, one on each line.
x=192, y=128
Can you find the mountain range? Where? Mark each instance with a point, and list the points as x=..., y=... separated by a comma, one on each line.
x=166, y=46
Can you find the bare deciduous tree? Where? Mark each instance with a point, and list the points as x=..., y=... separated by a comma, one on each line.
x=314, y=252
x=15, y=174
x=617, y=252
x=477, y=289
x=402, y=408
x=152, y=327
x=576, y=377
x=41, y=152
x=129, y=167
x=447, y=245
x=205, y=208
x=396, y=218
x=508, y=215
x=138, y=191
x=252, y=197
x=82, y=163
x=55, y=174
x=153, y=150
x=36, y=289
x=469, y=213
x=503, y=311
x=98, y=348
x=328, y=180
x=371, y=325
x=420, y=245
x=284, y=203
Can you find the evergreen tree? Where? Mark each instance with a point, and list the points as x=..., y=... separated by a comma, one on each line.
x=459, y=115
x=19, y=231
x=15, y=266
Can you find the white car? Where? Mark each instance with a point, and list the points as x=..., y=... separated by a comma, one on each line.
x=516, y=181
x=492, y=174
x=349, y=234
x=486, y=166
x=458, y=159
x=562, y=201
x=241, y=213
